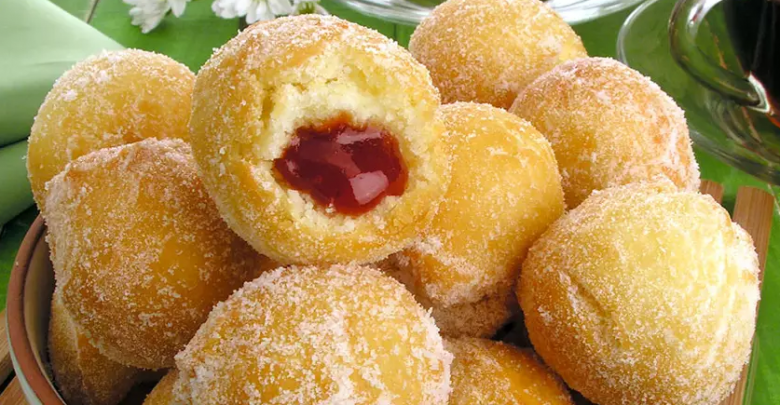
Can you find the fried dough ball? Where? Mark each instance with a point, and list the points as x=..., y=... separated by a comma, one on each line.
x=482, y=318
x=487, y=51
x=107, y=100
x=308, y=335
x=139, y=251
x=488, y=372
x=82, y=374
x=609, y=126
x=505, y=191
x=319, y=140
x=476, y=319
x=162, y=394
x=643, y=294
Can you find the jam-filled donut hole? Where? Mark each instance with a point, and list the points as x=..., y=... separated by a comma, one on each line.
x=343, y=166
x=319, y=71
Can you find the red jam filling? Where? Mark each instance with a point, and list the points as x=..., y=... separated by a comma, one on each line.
x=348, y=168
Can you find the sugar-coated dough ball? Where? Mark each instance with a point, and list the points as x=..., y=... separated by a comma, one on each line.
x=307, y=335
x=482, y=318
x=609, y=126
x=108, y=100
x=319, y=140
x=140, y=253
x=505, y=191
x=643, y=294
x=162, y=394
x=487, y=51
x=82, y=374
x=488, y=372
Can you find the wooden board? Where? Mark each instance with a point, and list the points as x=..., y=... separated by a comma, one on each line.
x=13, y=395
x=753, y=210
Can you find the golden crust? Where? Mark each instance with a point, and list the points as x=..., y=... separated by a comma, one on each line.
x=162, y=394
x=140, y=253
x=306, y=335
x=482, y=318
x=643, y=295
x=108, y=100
x=488, y=372
x=487, y=51
x=83, y=375
x=505, y=191
x=278, y=76
x=476, y=319
x=609, y=126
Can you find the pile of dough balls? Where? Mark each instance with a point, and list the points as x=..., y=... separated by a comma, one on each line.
x=321, y=216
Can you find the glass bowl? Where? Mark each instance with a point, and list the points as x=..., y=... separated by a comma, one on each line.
x=411, y=12
x=734, y=134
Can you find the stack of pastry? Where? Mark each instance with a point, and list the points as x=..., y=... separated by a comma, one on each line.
x=305, y=222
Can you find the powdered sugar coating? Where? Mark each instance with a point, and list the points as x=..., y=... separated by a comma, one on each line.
x=488, y=372
x=609, y=126
x=293, y=72
x=643, y=295
x=505, y=191
x=108, y=100
x=140, y=253
x=487, y=51
x=307, y=335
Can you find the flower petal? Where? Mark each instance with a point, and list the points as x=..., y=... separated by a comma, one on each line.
x=148, y=13
x=318, y=9
x=280, y=7
x=224, y=8
x=251, y=15
x=177, y=6
x=242, y=7
x=264, y=12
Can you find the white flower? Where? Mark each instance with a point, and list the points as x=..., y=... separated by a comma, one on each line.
x=253, y=10
x=177, y=7
x=149, y=13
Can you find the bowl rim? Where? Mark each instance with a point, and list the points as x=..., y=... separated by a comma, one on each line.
x=26, y=363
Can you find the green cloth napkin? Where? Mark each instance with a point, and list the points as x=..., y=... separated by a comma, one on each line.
x=38, y=42
x=15, y=194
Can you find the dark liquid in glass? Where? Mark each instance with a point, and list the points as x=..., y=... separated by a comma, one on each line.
x=754, y=27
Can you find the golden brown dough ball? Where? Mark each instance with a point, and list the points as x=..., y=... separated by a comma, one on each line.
x=488, y=372
x=139, y=250
x=319, y=140
x=307, y=335
x=163, y=394
x=643, y=295
x=82, y=374
x=482, y=318
x=609, y=126
x=487, y=51
x=108, y=100
x=505, y=191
